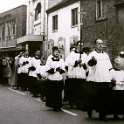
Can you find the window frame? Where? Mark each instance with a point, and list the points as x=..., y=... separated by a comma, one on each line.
x=99, y=10
x=74, y=17
x=38, y=11
x=55, y=23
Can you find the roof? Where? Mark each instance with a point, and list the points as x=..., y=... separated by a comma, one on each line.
x=13, y=9
x=61, y=4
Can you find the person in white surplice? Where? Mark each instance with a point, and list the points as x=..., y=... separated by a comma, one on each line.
x=99, y=64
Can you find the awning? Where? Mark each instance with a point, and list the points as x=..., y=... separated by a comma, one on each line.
x=11, y=49
x=30, y=38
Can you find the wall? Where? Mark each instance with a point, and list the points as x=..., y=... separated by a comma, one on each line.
x=107, y=29
x=17, y=14
x=65, y=30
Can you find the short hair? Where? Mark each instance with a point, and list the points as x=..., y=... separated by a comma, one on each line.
x=79, y=42
x=86, y=49
x=98, y=40
x=121, y=54
x=55, y=48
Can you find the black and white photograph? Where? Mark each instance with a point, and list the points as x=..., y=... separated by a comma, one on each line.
x=61, y=61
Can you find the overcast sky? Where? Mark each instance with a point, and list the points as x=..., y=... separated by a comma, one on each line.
x=10, y=4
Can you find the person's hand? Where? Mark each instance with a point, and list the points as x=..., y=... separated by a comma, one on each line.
x=51, y=71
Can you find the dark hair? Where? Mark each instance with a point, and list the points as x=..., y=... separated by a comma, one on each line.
x=86, y=49
x=121, y=54
x=55, y=48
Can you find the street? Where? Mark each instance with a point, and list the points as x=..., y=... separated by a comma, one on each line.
x=20, y=108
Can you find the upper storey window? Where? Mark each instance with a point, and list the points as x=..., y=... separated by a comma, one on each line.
x=99, y=9
x=74, y=15
x=38, y=11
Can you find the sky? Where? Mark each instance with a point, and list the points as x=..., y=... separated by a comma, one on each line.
x=10, y=4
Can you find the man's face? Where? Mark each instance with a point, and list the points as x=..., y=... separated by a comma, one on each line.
x=100, y=45
x=117, y=65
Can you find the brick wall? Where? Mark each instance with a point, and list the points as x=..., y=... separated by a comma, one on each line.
x=107, y=29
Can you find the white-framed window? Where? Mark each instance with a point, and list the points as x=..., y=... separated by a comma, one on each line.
x=99, y=9
x=55, y=22
x=74, y=17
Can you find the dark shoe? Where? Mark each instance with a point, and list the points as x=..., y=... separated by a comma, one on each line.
x=57, y=109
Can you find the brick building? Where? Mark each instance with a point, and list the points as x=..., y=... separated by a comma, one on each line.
x=12, y=26
x=100, y=18
x=104, y=19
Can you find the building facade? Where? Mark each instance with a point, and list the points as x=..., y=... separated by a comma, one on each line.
x=104, y=19
x=36, y=35
x=96, y=19
x=63, y=25
x=12, y=26
x=36, y=27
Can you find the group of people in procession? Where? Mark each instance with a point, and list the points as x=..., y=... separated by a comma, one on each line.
x=81, y=65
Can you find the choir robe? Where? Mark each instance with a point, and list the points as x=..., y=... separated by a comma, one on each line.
x=42, y=79
x=75, y=76
x=55, y=83
x=118, y=76
x=117, y=95
x=24, y=64
x=100, y=71
x=75, y=72
x=33, y=82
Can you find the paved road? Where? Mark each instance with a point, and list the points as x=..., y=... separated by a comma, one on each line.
x=18, y=108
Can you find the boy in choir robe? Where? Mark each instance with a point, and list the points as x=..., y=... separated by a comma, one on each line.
x=55, y=68
x=24, y=64
x=121, y=59
x=33, y=83
x=76, y=73
x=117, y=78
x=42, y=79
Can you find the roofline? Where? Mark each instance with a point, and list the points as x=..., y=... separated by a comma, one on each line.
x=8, y=11
x=60, y=5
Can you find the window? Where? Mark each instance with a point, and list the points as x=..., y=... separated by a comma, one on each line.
x=38, y=11
x=74, y=18
x=3, y=32
x=14, y=28
x=55, y=23
x=8, y=31
x=99, y=9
